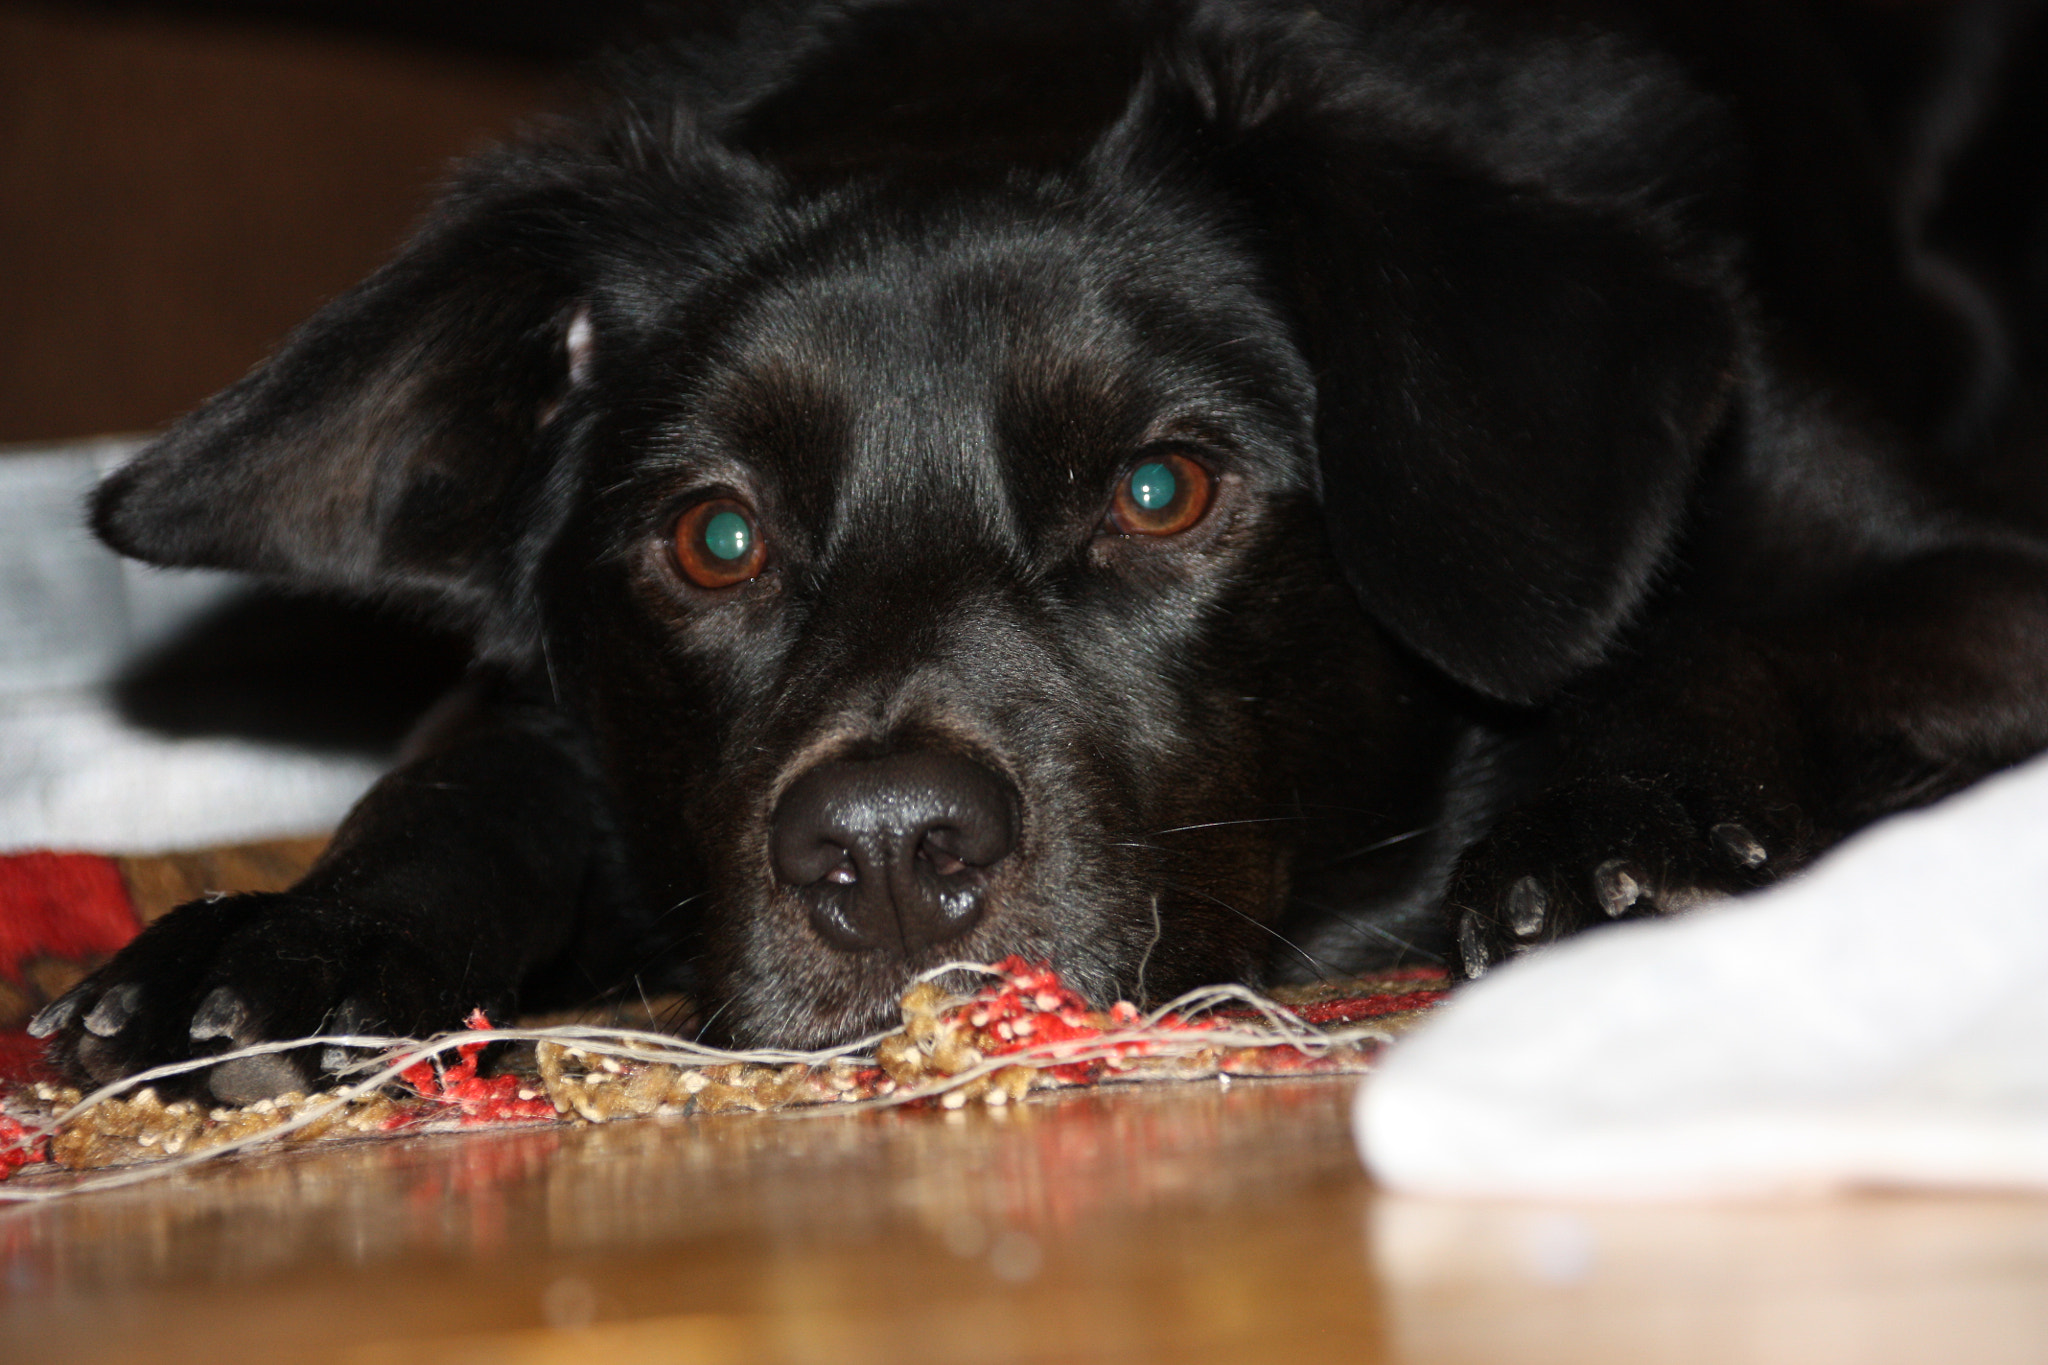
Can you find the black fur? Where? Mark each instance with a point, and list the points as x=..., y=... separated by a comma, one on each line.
x=1601, y=443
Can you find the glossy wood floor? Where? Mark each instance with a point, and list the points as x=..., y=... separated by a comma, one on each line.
x=1196, y=1223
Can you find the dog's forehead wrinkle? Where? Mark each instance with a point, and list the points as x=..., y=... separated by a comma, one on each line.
x=944, y=337
x=932, y=648
x=912, y=378
x=920, y=474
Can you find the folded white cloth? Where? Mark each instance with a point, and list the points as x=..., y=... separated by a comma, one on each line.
x=74, y=773
x=1882, y=1019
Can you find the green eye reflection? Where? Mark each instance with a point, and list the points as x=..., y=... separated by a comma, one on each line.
x=718, y=544
x=1162, y=496
x=729, y=536
x=1153, y=486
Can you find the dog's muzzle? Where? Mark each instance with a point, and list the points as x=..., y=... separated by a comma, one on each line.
x=895, y=852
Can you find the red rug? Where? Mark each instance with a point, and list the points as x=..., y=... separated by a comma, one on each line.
x=61, y=914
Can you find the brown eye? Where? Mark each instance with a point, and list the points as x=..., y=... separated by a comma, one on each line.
x=718, y=544
x=1162, y=496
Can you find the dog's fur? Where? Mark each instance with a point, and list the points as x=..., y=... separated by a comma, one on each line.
x=1600, y=449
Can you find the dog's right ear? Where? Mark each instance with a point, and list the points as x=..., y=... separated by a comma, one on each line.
x=396, y=444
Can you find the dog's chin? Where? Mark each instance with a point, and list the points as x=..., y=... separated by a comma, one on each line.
x=778, y=1022
x=773, y=983
x=807, y=1000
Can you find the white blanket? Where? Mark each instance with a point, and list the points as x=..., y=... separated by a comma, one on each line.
x=74, y=773
x=1882, y=1019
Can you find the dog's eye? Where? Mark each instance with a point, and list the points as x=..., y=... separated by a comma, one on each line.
x=718, y=544
x=1163, y=495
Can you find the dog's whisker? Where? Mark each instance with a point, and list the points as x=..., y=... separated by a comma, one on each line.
x=678, y=906
x=1145, y=960
x=704, y=1025
x=1323, y=969
x=1379, y=844
x=1404, y=945
x=1224, y=824
x=547, y=659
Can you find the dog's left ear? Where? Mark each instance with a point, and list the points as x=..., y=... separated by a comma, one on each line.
x=395, y=445
x=1514, y=385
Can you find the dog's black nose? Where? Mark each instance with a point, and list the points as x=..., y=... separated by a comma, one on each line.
x=893, y=852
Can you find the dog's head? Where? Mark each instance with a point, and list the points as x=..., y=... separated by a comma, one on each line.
x=957, y=543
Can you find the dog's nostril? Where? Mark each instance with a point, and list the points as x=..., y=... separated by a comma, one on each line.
x=938, y=849
x=843, y=872
x=893, y=852
x=801, y=861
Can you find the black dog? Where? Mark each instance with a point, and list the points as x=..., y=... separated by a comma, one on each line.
x=1187, y=490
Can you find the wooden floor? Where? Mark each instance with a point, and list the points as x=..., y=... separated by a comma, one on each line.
x=1195, y=1223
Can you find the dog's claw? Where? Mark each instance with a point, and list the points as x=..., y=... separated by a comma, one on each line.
x=350, y=1016
x=245, y=1080
x=1616, y=887
x=1739, y=844
x=1527, y=905
x=1599, y=851
x=222, y=1014
x=54, y=1015
x=114, y=1010
x=1472, y=945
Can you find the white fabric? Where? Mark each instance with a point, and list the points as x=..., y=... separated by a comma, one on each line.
x=75, y=775
x=1881, y=1020
x=73, y=772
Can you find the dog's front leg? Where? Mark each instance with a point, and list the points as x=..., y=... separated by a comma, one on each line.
x=455, y=878
x=1725, y=754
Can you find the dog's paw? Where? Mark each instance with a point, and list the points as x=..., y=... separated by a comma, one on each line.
x=1622, y=848
x=219, y=975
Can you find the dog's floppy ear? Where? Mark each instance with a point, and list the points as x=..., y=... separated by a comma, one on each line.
x=393, y=444
x=1512, y=401
x=1514, y=385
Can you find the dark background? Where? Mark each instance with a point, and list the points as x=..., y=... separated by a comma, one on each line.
x=182, y=183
